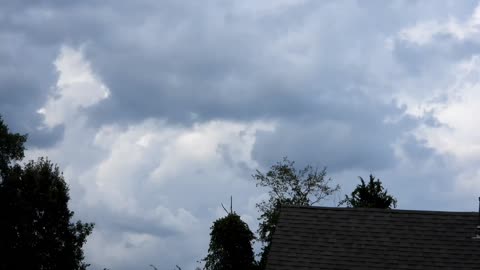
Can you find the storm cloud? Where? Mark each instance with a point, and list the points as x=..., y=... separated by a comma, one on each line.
x=158, y=111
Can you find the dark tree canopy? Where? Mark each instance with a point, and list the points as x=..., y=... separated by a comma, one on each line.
x=230, y=245
x=371, y=195
x=36, y=231
x=11, y=147
x=288, y=186
x=35, y=223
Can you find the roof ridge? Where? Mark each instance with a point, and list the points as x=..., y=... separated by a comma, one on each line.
x=384, y=210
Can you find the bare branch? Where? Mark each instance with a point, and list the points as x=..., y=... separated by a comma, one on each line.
x=224, y=208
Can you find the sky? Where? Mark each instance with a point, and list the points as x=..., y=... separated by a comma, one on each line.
x=158, y=111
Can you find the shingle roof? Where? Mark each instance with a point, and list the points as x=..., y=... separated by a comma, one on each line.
x=352, y=238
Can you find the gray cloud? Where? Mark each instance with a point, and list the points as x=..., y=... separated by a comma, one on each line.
x=341, y=134
x=174, y=60
x=330, y=74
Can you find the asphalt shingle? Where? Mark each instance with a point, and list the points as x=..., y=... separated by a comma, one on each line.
x=353, y=238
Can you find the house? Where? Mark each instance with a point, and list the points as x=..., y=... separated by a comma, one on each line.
x=371, y=239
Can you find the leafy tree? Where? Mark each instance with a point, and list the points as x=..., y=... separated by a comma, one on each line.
x=11, y=148
x=371, y=195
x=288, y=186
x=36, y=231
x=230, y=245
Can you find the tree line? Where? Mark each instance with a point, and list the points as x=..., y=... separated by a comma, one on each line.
x=230, y=250
x=37, y=226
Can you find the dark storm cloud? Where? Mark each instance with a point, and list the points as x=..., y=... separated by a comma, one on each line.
x=212, y=61
x=320, y=70
x=31, y=34
x=342, y=135
x=189, y=62
x=26, y=75
x=432, y=58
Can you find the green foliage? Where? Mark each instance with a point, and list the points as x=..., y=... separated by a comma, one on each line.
x=230, y=245
x=36, y=231
x=371, y=195
x=11, y=148
x=288, y=186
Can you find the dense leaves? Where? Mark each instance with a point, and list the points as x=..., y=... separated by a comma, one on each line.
x=11, y=148
x=230, y=245
x=36, y=231
x=371, y=195
x=288, y=186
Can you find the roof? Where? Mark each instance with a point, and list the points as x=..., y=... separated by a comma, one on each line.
x=355, y=238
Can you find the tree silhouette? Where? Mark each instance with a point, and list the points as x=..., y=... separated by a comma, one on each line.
x=371, y=195
x=230, y=245
x=288, y=186
x=11, y=148
x=36, y=231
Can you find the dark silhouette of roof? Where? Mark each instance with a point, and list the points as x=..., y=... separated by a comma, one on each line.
x=371, y=239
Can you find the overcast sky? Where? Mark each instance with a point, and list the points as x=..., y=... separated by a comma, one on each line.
x=158, y=111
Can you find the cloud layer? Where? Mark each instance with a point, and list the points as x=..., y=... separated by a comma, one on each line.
x=158, y=111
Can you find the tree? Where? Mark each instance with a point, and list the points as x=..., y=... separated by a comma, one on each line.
x=288, y=186
x=371, y=195
x=11, y=148
x=36, y=231
x=230, y=245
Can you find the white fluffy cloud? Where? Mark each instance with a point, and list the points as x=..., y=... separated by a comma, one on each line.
x=148, y=186
x=456, y=112
x=169, y=110
x=425, y=32
x=77, y=87
x=450, y=97
x=456, y=134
